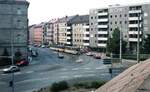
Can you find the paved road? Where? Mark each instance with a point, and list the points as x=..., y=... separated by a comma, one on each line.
x=48, y=68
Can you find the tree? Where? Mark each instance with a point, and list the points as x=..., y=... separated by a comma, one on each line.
x=113, y=44
x=18, y=56
x=146, y=45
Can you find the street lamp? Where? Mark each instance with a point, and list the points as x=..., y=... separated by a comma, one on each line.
x=120, y=43
x=138, y=36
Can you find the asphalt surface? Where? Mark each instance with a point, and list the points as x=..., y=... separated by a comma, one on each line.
x=48, y=68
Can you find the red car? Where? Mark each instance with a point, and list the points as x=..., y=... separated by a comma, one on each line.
x=23, y=63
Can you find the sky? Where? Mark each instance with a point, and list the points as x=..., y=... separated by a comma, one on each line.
x=45, y=10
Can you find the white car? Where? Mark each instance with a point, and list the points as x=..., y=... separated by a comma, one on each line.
x=11, y=69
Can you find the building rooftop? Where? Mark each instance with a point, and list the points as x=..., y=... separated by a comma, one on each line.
x=80, y=19
x=134, y=79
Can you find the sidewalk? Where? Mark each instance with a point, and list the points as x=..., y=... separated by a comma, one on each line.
x=133, y=79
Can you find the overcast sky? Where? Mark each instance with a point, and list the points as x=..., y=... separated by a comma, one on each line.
x=44, y=10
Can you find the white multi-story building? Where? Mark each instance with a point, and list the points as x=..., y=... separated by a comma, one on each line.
x=129, y=19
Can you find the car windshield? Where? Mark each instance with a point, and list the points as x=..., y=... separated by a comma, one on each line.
x=74, y=45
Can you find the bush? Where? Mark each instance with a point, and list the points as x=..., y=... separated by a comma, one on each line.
x=82, y=85
x=97, y=84
x=94, y=84
x=59, y=86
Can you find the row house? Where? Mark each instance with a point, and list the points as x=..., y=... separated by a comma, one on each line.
x=80, y=31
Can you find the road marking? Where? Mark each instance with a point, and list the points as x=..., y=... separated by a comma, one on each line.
x=77, y=76
x=29, y=71
x=74, y=69
x=4, y=74
x=32, y=80
x=89, y=71
x=17, y=73
x=64, y=77
x=90, y=75
x=102, y=67
x=64, y=69
x=86, y=68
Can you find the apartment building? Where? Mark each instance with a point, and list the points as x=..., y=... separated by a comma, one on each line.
x=31, y=34
x=80, y=31
x=14, y=26
x=65, y=30
x=129, y=19
x=48, y=33
x=55, y=32
x=38, y=33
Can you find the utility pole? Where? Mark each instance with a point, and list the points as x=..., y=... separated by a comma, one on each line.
x=138, y=36
x=12, y=49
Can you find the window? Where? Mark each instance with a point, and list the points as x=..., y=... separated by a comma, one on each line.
x=115, y=15
x=110, y=16
x=115, y=22
x=111, y=29
x=95, y=17
x=95, y=35
x=91, y=29
x=125, y=22
x=120, y=22
x=91, y=23
x=19, y=11
x=120, y=15
x=91, y=17
x=125, y=15
x=111, y=23
x=87, y=29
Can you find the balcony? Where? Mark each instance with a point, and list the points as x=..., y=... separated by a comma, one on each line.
x=135, y=11
x=102, y=20
x=86, y=38
x=134, y=32
x=102, y=32
x=134, y=39
x=85, y=26
x=68, y=37
x=134, y=25
x=102, y=44
x=86, y=44
x=102, y=26
x=68, y=27
x=68, y=32
x=68, y=42
x=86, y=32
x=102, y=14
x=103, y=38
x=134, y=18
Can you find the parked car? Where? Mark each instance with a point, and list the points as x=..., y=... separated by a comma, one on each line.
x=97, y=56
x=43, y=46
x=23, y=63
x=11, y=69
x=89, y=54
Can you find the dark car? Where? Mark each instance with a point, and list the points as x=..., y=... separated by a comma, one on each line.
x=23, y=63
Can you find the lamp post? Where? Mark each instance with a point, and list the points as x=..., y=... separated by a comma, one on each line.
x=138, y=36
x=121, y=44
